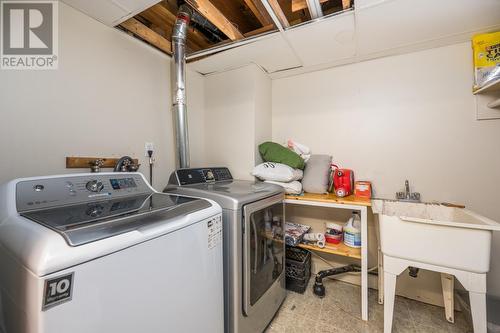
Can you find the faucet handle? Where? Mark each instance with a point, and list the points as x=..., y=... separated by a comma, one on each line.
x=400, y=195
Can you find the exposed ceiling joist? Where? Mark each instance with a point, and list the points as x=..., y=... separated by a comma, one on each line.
x=303, y=4
x=259, y=31
x=275, y=6
x=314, y=8
x=218, y=19
x=222, y=24
x=139, y=29
x=238, y=13
x=162, y=17
x=259, y=11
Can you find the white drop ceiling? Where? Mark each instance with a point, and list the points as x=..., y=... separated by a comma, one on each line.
x=375, y=28
x=111, y=12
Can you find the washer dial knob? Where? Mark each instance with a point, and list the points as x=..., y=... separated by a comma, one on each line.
x=94, y=186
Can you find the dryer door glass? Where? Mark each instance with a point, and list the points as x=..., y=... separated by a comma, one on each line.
x=264, y=250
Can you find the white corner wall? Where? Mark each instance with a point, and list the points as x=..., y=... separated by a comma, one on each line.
x=403, y=117
x=110, y=95
x=237, y=118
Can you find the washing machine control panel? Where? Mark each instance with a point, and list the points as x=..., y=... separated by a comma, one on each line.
x=94, y=186
x=200, y=176
x=50, y=192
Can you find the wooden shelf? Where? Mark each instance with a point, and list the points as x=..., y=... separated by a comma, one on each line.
x=492, y=86
x=331, y=198
x=339, y=249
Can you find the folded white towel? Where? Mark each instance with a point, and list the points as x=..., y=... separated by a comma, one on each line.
x=293, y=187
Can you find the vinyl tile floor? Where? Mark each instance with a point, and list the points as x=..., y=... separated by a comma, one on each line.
x=340, y=312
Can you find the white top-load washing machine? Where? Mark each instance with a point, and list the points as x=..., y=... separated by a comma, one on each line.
x=105, y=253
x=254, y=247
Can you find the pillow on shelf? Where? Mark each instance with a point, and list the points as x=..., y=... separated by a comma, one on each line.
x=274, y=152
x=277, y=171
x=316, y=174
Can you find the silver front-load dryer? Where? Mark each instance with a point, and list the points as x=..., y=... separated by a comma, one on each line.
x=253, y=242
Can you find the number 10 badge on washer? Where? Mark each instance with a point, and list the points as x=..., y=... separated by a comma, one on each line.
x=57, y=291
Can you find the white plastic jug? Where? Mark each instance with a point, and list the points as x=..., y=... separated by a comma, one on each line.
x=352, y=231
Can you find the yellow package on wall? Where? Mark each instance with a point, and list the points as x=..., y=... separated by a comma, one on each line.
x=486, y=58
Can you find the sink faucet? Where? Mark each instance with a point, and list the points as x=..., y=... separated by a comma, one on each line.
x=407, y=195
x=407, y=189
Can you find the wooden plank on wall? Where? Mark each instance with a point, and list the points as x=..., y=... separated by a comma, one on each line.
x=214, y=15
x=139, y=29
x=84, y=162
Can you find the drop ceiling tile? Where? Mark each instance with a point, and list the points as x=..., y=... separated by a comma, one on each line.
x=393, y=24
x=271, y=53
x=324, y=41
x=104, y=11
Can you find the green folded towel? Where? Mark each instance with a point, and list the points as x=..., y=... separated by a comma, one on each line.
x=274, y=152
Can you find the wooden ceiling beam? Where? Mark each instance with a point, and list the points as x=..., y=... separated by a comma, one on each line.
x=302, y=4
x=259, y=31
x=279, y=13
x=139, y=29
x=315, y=9
x=162, y=17
x=214, y=15
x=259, y=11
x=238, y=13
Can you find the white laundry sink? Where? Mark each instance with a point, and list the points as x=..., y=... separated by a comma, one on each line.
x=435, y=234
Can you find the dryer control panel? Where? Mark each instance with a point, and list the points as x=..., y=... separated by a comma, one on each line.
x=199, y=176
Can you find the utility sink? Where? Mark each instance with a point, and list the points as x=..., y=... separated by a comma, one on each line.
x=452, y=241
x=435, y=234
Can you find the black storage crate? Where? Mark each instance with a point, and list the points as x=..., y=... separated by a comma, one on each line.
x=298, y=269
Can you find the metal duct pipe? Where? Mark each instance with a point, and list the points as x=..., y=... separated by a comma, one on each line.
x=179, y=35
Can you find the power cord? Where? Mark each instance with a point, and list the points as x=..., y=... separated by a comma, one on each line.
x=151, y=162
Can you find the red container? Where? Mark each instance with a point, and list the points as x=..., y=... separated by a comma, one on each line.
x=333, y=239
x=343, y=181
x=363, y=189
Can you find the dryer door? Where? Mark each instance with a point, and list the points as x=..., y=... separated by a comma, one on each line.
x=263, y=249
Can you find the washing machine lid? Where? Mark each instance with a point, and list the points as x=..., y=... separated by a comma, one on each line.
x=92, y=221
x=231, y=194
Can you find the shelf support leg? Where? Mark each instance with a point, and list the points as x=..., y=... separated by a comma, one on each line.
x=380, y=265
x=364, y=263
x=447, y=284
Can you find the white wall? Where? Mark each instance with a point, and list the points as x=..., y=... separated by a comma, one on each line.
x=403, y=117
x=238, y=118
x=110, y=95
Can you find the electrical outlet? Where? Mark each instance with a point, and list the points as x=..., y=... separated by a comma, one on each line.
x=148, y=146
